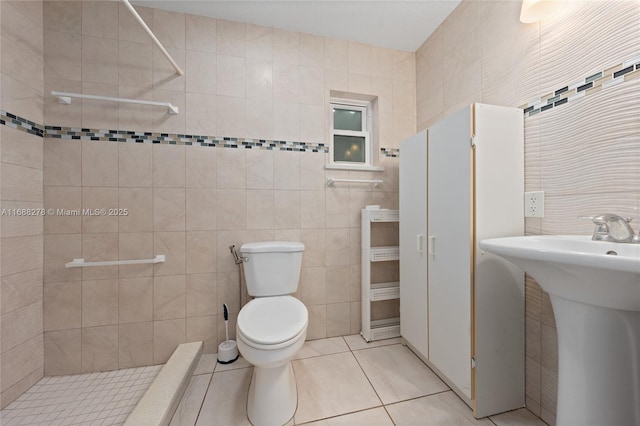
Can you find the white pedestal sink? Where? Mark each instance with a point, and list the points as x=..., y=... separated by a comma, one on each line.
x=595, y=292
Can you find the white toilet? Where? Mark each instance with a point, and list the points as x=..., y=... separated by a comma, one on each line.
x=271, y=328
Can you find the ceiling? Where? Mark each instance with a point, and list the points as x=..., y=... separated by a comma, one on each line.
x=397, y=24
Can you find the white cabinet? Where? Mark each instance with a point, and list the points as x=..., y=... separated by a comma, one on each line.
x=462, y=311
x=376, y=292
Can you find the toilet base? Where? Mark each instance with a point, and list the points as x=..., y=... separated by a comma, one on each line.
x=273, y=397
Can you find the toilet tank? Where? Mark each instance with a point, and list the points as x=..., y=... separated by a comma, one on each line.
x=272, y=268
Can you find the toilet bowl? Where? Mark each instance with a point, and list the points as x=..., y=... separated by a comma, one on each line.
x=271, y=329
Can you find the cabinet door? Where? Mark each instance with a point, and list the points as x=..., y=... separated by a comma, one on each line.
x=449, y=244
x=413, y=234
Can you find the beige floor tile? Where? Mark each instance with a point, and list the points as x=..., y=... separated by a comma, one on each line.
x=374, y=417
x=357, y=342
x=331, y=385
x=206, y=364
x=397, y=374
x=239, y=363
x=187, y=412
x=443, y=409
x=319, y=347
x=521, y=417
x=226, y=399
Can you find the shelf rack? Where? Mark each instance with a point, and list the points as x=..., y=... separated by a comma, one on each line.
x=375, y=292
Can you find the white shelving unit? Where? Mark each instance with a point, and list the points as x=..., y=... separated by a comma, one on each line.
x=388, y=327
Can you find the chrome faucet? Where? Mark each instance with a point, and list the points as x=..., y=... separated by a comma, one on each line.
x=614, y=228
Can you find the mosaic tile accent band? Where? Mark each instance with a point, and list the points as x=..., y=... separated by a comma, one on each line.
x=20, y=123
x=610, y=77
x=127, y=136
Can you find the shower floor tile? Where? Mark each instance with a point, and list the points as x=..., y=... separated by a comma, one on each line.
x=104, y=398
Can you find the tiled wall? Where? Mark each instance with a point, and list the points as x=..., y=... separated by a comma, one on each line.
x=190, y=202
x=21, y=348
x=584, y=154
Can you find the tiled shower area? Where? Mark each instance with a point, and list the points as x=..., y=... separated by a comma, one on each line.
x=104, y=398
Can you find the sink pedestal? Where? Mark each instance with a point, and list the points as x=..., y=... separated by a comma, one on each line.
x=598, y=364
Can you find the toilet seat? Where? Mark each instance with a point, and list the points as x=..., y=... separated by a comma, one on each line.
x=272, y=320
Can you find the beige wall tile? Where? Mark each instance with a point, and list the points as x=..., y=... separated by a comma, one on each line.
x=337, y=208
x=20, y=290
x=202, y=295
x=338, y=284
x=20, y=361
x=167, y=335
x=204, y=329
x=135, y=165
x=97, y=199
x=100, y=348
x=99, y=302
x=173, y=246
x=231, y=116
x=313, y=209
x=98, y=18
x=128, y=27
x=58, y=250
x=135, y=64
x=62, y=198
x=315, y=247
x=63, y=352
x=169, y=27
x=337, y=251
x=29, y=319
x=286, y=121
x=201, y=33
x=135, y=300
x=62, y=305
x=201, y=252
x=312, y=172
x=259, y=169
x=165, y=122
x=165, y=76
x=169, y=166
x=228, y=290
x=21, y=64
x=259, y=80
x=317, y=328
x=231, y=76
x=201, y=72
x=100, y=248
x=287, y=209
x=21, y=99
x=132, y=246
x=21, y=183
x=313, y=286
x=201, y=114
x=63, y=15
x=21, y=149
x=169, y=209
x=225, y=261
x=259, y=42
x=338, y=319
x=135, y=344
x=201, y=214
x=313, y=123
x=230, y=38
x=260, y=209
x=139, y=204
x=21, y=226
x=62, y=163
x=232, y=209
x=201, y=167
x=132, y=116
x=169, y=297
x=99, y=60
x=62, y=55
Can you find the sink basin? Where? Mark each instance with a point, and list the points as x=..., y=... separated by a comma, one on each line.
x=594, y=288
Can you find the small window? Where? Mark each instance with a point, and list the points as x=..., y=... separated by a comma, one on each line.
x=350, y=133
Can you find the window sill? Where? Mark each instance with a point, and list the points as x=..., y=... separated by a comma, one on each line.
x=354, y=168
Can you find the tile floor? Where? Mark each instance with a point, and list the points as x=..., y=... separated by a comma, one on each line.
x=341, y=381
x=85, y=399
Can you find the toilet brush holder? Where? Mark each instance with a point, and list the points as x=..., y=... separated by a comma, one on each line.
x=227, y=350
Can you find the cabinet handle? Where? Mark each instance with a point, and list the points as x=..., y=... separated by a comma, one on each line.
x=432, y=246
x=419, y=243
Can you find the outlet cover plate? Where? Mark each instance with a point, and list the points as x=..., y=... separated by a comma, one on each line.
x=534, y=204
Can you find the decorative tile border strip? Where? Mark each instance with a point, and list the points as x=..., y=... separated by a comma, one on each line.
x=126, y=136
x=390, y=152
x=20, y=123
x=57, y=132
x=597, y=82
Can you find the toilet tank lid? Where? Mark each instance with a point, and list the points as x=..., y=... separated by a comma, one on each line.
x=272, y=247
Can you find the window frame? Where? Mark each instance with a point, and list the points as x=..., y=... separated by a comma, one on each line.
x=351, y=105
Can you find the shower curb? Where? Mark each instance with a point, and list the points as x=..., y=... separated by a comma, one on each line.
x=160, y=401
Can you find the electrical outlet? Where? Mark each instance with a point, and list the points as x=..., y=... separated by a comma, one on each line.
x=534, y=204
